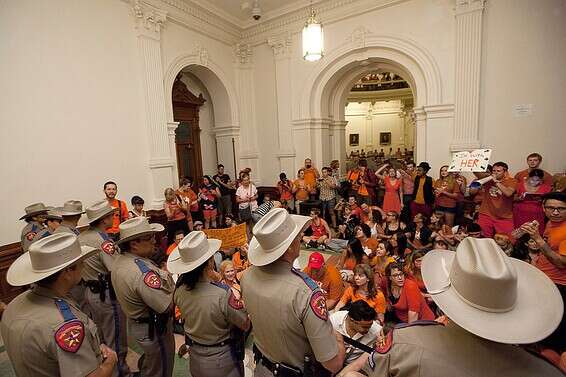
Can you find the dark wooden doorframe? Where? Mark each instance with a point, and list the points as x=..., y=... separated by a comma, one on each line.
x=186, y=108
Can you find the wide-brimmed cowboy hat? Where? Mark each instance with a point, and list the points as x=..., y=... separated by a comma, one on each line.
x=71, y=208
x=136, y=228
x=46, y=257
x=492, y=295
x=273, y=235
x=194, y=250
x=53, y=214
x=98, y=210
x=34, y=209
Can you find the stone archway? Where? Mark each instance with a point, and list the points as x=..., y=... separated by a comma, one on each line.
x=318, y=125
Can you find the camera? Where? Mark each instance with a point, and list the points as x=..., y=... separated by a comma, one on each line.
x=256, y=10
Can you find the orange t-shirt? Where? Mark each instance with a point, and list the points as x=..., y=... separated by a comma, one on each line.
x=523, y=175
x=331, y=282
x=370, y=243
x=171, y=248
x=310, y=177
x=239, y=264
x=301, y=193
x=378, y=302
x=411, y=299
x=556, y=236
x=494, y=203
x=353, y=177
x=120, y=215
x=451, y=187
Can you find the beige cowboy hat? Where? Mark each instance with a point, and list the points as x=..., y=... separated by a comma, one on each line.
x=273, y=235
x=136, y=228
x=71, y=208
x=54, y=214
x=193, y=250
x=34, y=209
x=46, y=257
x=98, y=210
x=492, y=295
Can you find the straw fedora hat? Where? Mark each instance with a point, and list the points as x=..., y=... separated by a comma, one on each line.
x=273, y=235
x=46, y=257
x=492, y=295
x=194, y=250
x=136, y=228
x=98, y=210
x=71, y=208
x=34, y=209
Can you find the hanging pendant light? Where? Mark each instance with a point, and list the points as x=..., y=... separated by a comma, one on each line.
x=313, y=38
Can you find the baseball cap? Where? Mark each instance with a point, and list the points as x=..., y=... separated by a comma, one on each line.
x=316, y=260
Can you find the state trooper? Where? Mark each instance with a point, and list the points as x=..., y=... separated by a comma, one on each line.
x=145, y=293
x=99, y=298
x=45, y=333
x=52, y=221
x=292, y=333
x=71, y=211
x=493, y=302
x=215, y=320
x=34, y=217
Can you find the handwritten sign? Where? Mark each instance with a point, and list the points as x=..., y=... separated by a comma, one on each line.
x=474, y=161
x=230, y=237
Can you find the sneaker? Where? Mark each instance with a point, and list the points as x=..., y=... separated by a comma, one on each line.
x=322, y=247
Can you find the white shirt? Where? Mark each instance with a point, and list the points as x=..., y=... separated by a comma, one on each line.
x=338, y=320
x=246, y=193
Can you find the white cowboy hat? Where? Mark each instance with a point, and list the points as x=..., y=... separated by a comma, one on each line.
x=71, y=208
x=136, y=228
x=193, y=250
x=273, y=234
x=98, y=210
x=492, y=295
x=53, y=214
x=34, y=209
x=46, y=257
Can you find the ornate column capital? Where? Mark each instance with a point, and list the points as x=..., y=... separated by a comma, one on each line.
x=468, y=6
x=149, y=19
x=281, y=44
x=243, y=53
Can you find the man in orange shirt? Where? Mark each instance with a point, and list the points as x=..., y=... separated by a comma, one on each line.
x=496, y=211
x=533, y=161
x=121, y=212
x=327, y=277
x=311, y=174
x=179, y=235
x=552, y=257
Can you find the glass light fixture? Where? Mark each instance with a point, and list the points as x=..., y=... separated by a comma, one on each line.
x=313, y=39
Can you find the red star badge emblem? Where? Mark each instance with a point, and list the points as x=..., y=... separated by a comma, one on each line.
x=70, y=336
x=152, y=280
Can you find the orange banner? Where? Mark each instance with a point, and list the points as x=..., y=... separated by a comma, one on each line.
x=230, y=237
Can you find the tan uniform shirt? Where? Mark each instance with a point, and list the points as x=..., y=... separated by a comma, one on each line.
x=137, y=291
x=210, y=311
x=28, y=233
x=30, y=327
x=41, y=234
x=289, y=315
x=101, y=262
x=448, y=351
x=66, y=229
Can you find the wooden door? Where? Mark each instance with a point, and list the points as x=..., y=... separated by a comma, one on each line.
x=186, y=108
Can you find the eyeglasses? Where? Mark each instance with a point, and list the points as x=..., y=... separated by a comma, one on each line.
x=397, y=275
x=557, y=209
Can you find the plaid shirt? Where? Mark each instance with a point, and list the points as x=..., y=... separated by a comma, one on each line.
x=326, y=192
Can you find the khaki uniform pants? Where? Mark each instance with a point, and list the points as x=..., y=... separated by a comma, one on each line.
x=111, y=322
x=214, y=362
x=159, y=352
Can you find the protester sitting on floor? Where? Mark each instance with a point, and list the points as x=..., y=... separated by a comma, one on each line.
x=327, y=277
x=320, y=231
x=351, y=256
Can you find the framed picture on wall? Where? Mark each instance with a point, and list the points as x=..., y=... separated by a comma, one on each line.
x=385, y=138
x=354, y=139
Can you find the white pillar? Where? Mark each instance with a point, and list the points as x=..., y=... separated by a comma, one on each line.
x=149, y=22
x=248, y=155
x=282, y=46
x=228, y=144
x=469, y=15
x=171, y=128
x=338, y=130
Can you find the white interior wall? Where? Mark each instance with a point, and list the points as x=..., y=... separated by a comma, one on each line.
x=523, y=64
x=383, y=117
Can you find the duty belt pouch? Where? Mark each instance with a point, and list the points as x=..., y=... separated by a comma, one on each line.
x=102, y=287
x=314, y=369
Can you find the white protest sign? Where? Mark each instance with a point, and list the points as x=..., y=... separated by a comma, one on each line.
x=474, y=161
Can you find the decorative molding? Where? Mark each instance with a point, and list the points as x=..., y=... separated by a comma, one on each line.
x=281, y=44
x=202, y=55
x=149, y=19
x=286, y=154
x=358, y=37
x=159, y=163
x=227, y=131
x=439, y=111
x=243, y=53
x=467, y=6
x=172, y=127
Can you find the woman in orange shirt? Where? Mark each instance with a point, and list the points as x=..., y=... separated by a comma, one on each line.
x=176, y=211
x=240, y=260
x=446, y=191
x=405, y=298
x=300, y=189
x=353, y=255
x=364, y=289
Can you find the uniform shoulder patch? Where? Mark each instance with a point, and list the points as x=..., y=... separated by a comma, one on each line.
x=108, y=247
x=152, y=280
x=30, y=235
x=384, y=346
x=234, y=302
x=306, y=278
x=318, y=305
x=69, y=337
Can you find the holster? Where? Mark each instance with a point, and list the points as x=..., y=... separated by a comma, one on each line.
x=314, y=369
x=158, y=323
x=277, y=369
